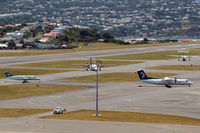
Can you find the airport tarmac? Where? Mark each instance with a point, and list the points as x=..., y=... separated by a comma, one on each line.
x=86, y=54
x=125, y=96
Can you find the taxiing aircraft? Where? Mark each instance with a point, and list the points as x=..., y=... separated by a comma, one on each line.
x=93, y=67
x=184, y=57
x=23, y=78
x=167, y=81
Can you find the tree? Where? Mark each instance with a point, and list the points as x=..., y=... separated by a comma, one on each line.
x=145, y=40
x=11, y=44
x=107, y=36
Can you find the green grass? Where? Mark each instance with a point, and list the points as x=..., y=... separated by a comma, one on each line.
x=14, y=112
x=19, y=91
x=116, y=77
x=126, y=117
x=177, y=67
x=161, y=55
x=75, y=64
x=96, y=46
x=22, y=71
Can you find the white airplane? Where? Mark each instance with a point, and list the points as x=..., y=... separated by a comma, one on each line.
x=184, y=57
x=23, y=78
x=167, y=81
x=93, y=67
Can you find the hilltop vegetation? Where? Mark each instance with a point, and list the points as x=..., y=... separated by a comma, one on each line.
x=83, y=35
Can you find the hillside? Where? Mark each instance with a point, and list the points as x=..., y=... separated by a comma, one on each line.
x=119, y=17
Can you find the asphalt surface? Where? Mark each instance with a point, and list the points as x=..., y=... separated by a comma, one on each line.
x=128, y=96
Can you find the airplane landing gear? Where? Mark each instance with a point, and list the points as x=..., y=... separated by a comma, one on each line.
x=24, y=81
x=168, y=86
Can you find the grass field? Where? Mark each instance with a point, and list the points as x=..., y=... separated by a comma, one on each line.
x=126, y=117
x=76, y=64
x=22, y=71
x=19, y=91
x=14, y=112
x=116, y=77
x=161, y=55
x=96, y=46
x=177, y=67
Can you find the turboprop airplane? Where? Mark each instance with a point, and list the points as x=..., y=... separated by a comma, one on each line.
x=93, y=67
x=184, y=57
x=23, y=78
x=167, y=81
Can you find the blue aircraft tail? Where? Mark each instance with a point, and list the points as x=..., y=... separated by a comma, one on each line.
x=142, y=75
x=8, y=74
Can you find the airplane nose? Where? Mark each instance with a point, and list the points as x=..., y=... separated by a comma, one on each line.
x=190, y=82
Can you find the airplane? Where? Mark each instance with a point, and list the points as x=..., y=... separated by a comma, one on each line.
x=24, y=78
x=184, y=57
x=167, y=81
x=93, y=67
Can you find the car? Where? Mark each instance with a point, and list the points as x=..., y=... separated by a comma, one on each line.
x=58, y=110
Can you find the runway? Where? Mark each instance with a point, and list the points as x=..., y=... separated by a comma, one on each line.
x=86, y=54
x=125, y=96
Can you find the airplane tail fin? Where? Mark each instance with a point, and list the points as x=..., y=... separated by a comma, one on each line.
x=8, y=74
x=142, y=75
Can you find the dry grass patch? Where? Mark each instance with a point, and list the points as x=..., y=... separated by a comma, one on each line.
x=126, y=117
x=22, y=71
x=76, y=64
x=116, y=77
x=177, y=67
x=19, y=91
x=14, y=112
x=194, y=51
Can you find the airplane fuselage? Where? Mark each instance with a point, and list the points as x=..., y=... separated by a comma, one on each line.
x=93, y=67
x=24, y=77
x=168, y=81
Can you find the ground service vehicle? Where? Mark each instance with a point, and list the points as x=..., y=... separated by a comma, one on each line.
x=58, y=110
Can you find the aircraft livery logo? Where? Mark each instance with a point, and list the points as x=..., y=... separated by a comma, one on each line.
x=142, y=74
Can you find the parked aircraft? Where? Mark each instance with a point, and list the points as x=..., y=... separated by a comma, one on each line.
x=167, y=81
x=93, y=67
x=23, y=78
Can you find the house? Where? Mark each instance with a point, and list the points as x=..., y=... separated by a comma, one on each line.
x=3, y=45
x=14, y=35
x=46, y=46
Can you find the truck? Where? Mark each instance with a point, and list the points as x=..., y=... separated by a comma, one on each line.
x=58, y=110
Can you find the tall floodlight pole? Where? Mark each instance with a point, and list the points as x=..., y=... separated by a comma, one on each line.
x=97, y=80
x=99, y=65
